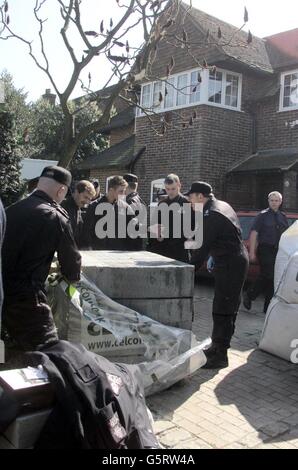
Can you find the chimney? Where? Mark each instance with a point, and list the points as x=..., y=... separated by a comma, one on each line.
x=50, y=97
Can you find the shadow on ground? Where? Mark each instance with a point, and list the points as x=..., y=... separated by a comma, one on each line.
x=265, y=391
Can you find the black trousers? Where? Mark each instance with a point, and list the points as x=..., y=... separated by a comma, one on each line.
x=29, y=321
x=265, y=282
x=229, y=273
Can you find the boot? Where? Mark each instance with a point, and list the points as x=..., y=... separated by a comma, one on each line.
x=217, y=357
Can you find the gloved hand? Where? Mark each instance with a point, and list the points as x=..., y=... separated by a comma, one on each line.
x=210, y=264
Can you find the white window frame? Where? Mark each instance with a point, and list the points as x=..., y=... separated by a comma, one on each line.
x=161, y=182
x=204, y=91
x=283, y=75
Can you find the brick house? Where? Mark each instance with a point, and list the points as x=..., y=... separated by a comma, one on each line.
x=235, y=126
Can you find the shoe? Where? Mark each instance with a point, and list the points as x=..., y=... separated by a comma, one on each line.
x=246, y=301
x=217, y=358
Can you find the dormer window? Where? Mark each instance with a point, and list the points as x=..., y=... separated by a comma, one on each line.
x=289, y=91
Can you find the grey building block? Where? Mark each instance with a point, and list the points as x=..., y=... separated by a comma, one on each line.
x=171, y=312
x=24, y=431
x=139, y=274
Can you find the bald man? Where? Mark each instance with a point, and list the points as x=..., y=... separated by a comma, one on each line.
x=37, y=227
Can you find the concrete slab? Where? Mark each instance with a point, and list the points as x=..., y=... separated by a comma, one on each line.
x=138, y=275
x=171, y=312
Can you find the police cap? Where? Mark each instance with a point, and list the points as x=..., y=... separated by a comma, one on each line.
x=57, y=173
x=200, y=187
x=130, y=178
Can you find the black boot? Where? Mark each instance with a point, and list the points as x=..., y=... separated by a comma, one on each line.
x=217, y=357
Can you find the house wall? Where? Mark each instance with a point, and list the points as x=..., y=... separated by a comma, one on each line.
x=103, y=174
x=218, y=138
x=271, y=126
x=118, y=135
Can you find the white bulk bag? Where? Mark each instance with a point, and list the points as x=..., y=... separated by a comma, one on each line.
x=280, y=330
x=288, y=245
x=288, y=286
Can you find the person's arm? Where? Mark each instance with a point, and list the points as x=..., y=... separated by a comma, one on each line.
x=253, y=244
x=88, y=228
x=68, y=255
x=212, y=228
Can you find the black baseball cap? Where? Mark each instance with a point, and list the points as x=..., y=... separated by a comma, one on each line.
x=130, y=178
x=57, y=173
x=200, y=187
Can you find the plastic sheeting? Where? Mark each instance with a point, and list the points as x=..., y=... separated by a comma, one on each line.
x=84, y=314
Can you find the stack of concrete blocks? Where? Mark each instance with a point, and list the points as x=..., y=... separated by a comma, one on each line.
x=23, y=432
x=155, y=286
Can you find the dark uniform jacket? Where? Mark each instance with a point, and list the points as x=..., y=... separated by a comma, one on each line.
x=99, y=405
x=270, y=226
x=37, y=227
x=76, y=219
x=172, y=247
x=135, y=201
x=90, y=239
x=221, y=232
x=2, y=231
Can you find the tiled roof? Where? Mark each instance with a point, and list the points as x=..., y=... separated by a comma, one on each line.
x=122, y=119
x=233, y=42
x=268, y=160
x=283, y=49
x=121, y=155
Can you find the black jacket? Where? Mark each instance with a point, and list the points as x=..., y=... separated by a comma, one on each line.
x=172, y=247
x=37, y=227
x=90, y=239
x=76, y=219
x=221, y=232
x=99, y=405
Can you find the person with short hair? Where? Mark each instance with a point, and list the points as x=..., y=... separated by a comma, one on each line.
x=223, y=241
x=135, y=201
x=264, y=238
x=37, y=228
x=171, y=246
x=82, y=196
x=115, y=196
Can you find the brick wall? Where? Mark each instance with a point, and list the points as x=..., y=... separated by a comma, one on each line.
x=218, y=138
x=118, y=135
x=271, y=126
x=103, y=174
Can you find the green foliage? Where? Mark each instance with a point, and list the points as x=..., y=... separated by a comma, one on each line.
x=39, y=127
x=9, y=160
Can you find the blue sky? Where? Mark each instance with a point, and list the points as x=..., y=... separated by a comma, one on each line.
x=265, y=18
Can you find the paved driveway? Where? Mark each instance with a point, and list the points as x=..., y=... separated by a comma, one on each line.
x=251, y=404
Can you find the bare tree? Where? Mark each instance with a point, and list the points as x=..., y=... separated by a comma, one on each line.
x=157, y=19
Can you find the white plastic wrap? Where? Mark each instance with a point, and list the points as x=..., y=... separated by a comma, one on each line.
x=84, y=314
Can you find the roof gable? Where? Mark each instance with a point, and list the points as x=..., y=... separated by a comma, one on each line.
x=283, y=49
x=233, y=42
